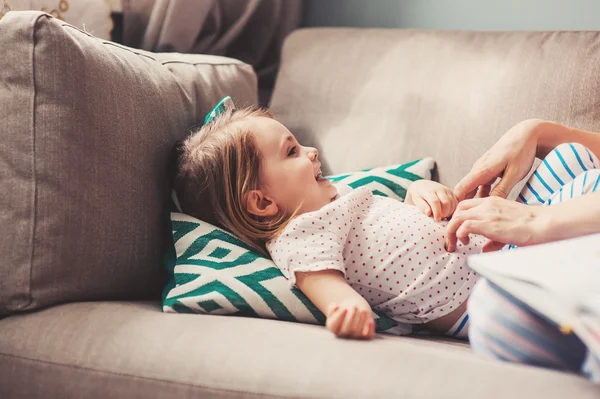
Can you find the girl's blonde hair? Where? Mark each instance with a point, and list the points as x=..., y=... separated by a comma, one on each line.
x=218, y=165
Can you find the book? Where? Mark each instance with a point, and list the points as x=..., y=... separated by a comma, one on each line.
x=560, y=280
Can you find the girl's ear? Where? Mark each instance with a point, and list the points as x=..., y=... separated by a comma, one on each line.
x=260, y=204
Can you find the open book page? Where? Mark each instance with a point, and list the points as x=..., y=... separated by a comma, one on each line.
x=560, y=280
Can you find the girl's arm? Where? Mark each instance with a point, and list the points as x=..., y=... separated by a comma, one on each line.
x=432, y=198
x=348, y=314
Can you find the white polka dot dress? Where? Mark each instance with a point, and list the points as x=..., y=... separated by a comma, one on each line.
x=389, y=252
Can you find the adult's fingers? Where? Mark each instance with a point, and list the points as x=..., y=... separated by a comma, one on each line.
x=466, y=228
x=506, y=183
x=491, y=246
x=476, y=177
x=470, y=194
x=462, y=214
x=484, y=190
x=468, y=204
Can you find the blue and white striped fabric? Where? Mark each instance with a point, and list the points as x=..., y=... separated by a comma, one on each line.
x=568, y=171
x=460, y=329
x=504, y=328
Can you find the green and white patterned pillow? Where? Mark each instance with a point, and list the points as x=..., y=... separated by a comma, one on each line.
x=389, y=181
x=212, y=272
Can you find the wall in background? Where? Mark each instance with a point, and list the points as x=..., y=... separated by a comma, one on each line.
x=456, y=14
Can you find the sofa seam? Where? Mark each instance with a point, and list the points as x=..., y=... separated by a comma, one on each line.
x=127, y=375
x=129, y=49
x=34, y=198
x=204, y=63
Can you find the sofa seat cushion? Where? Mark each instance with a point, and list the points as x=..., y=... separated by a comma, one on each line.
x=133, y=350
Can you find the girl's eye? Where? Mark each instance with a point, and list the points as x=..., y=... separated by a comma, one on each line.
x=292, y=151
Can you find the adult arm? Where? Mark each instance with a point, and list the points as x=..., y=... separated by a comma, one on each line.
x=512, y=156
x=503, y=221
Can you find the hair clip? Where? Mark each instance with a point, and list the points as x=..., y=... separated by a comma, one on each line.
x=223, y=105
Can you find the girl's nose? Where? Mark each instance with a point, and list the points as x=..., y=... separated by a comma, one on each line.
x=313, y=153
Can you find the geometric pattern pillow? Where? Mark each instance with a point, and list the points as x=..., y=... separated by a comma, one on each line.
x=390, y=181
x=212, y=272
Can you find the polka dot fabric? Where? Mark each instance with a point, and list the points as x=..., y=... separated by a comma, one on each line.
x=389, y=252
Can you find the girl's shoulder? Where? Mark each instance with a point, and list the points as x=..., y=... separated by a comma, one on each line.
x=342, y=189
x=334, y=217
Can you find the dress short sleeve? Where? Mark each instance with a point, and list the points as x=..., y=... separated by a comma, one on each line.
x=306, y=250
x=313, y=241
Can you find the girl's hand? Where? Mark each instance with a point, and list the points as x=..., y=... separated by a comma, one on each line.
x=351, y=318
x=510, y=159
x=432, y=198
x=500, y=220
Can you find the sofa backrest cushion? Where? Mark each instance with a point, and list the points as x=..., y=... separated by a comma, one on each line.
x=372, y=97
x=86, y=132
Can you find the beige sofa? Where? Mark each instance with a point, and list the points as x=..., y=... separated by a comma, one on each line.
x=86, y=129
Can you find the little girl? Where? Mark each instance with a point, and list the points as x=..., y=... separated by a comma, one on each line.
x=347, y=250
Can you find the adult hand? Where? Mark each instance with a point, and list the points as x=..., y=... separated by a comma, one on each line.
x=500, y=220
x=510, y=159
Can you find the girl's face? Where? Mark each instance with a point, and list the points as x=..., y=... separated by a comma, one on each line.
x=290, y=173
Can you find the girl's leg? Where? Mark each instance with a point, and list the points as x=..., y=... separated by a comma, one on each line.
x=504, y=328
x=560, y=167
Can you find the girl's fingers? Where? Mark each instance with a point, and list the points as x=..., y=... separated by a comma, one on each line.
x=365, y=328
x=360, y=324
x=332, y=308
x=436, y=208
x=349, y=321
x=371, y=329
x=422, y=205
x=454, y=204
x=448, y=201
x=334, y=322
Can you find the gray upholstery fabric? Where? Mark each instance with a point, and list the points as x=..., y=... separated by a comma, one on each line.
x=132, y=350
x=82, y=161
x=86, y=131
x=372, y=97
